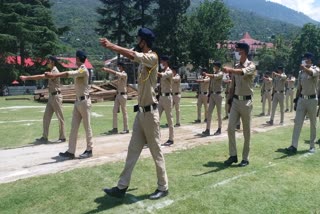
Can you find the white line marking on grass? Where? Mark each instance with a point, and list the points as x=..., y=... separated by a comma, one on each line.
x=305, y=155
x=226, y=181
x=17, y=173
x=94, y=114
x=20, y=107
x=22, y=121
x=136, y=201
x=159, y=205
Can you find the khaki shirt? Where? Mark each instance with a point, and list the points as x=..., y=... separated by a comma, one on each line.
x=122, y=81
x=166, y=81
x=204, y=86
x=147, y=80
x=81, y=80
x=244, y=83
x=290, y=83
x=216, y=82
x=267, y=85
x=308, y=82
x=176, y=81
x=54, y=84
x=279, y=82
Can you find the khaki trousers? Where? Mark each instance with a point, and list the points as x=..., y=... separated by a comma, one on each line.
x=304, y=107
x=202, y=100
x=240, y=109
x=81, y=111
x=289, y=94
x=267, y=96
x=165, y=104
x=176, y=104
x=214, y=100
x=54, y=105
x=226, y=105
x=146, y=130
x=277, y=98
x=120, y=102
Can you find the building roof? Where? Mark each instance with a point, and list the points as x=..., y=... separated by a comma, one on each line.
x=67, y=62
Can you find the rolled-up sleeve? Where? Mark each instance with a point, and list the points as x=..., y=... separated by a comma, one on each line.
x=121, y=75
x=249, y=70
x=218, y=75
x=315, y=71
x=283, y=76
x=167, y=74
x=81, y=72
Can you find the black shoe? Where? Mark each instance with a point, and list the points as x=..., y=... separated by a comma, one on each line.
x=286, y=110
x=168, y=143
x=115, y=192
x=270, y=122
x=225, y=118
x=158, y=194
x=66, y=155
x=238, y=127
x=61, y=141
x=42, y=140
x=124, y=132
x=166, y=125
x=86, y=154
x=218, y=132
x=177, y=125
x=231, y=160
x=113, y=131
x=206, y=132
x=261, y=114
x=197, y=121
x=243, y=163
x=205, y=120
x=291, y=149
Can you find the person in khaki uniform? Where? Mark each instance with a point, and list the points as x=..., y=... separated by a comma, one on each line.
x=307, y=101
x=289, y=92
x=241, y=93
x=146, y=127
x=227, y=83
x=121, y=98
x=266, y=92
x=82, y=106
x=215, y=98
x=278, y=94
x=165, y=99
x=54, y=104
x=203, y=96
x=176, y=94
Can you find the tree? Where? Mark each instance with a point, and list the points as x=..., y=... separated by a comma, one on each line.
x=144, y=12
x=171, y=28
x=116, y=21
x=27, y=29
x=210, y=25
x=308, y=40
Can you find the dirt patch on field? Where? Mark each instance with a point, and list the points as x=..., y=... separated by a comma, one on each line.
x=43, y=159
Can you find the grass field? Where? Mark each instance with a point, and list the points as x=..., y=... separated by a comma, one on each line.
x=198, y=181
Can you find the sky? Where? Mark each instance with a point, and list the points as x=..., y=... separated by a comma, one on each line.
x=309, y=7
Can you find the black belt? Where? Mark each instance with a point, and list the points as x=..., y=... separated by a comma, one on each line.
x=122, y=93
x=248, y=97
x=165, y=94
x=313, y=96
x=267, y=90
x=83, y=97
x=217, y=92
x=145, y=108
x=55, y=93
x=203, y=93
x=176, y=93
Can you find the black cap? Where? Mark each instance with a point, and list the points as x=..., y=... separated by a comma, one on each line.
x=308, y=55
x=244, y=46
x=164, y=58
x=81, y=54
x=53, y=59
x=175, y=67
x=280, y=67
x=147, y=35
x=120, y=64
x=217, y=63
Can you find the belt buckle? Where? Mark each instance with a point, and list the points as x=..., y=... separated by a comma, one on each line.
x=141, y=109
x=241, y=98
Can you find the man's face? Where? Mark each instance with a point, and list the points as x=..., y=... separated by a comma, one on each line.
x=78, y=63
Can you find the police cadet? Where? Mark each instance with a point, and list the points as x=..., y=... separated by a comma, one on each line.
x=146, y=127
x=203, y=93
x=227, y=81
x=121, y=98
x=241, y=93
x=54, y=103
x=215, y=97
x=176, y=93
x=289, y=92
x=82, y=106
x=307, y=101
x=279, y=78
x=165, y=99
x=266, y=93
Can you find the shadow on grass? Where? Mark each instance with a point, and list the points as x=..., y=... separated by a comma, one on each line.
x=106, y=202
x=56, y=159
x=217, y=165
x=289, y=154
x=49, y=142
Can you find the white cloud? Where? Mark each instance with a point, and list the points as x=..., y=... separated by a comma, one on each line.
x=309, y=7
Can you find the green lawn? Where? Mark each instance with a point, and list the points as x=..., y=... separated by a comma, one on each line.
x=198, y=181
